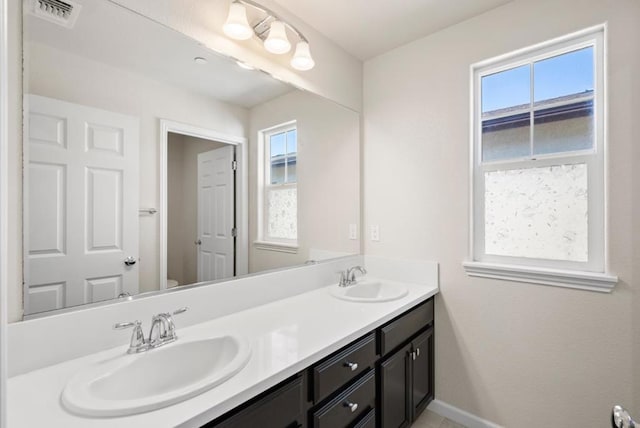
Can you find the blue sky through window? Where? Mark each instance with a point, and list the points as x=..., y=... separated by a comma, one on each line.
x=277, y=144
x=554, y=77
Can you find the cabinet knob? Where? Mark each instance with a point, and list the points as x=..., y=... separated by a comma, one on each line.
x=352, y=366
x=352, y=406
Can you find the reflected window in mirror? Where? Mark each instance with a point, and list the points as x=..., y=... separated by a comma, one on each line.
x=280, y=188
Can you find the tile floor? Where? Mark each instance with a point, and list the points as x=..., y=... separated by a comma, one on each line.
x=428, y=419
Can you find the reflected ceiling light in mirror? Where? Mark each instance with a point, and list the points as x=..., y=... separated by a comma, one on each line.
x=237, y=26
x=244, y=65
x=277, y=42
x=269, y=28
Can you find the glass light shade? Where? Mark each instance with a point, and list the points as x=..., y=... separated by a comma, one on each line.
x=237, y=27
x=302, y=59
x=277, y=41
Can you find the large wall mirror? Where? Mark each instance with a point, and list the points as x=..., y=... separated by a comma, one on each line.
x=152, y=163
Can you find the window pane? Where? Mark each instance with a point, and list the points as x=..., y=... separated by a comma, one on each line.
x=506, y=102
x=564, y=128
x=292, y=141
x=507, y=89
x=565, y=75
x=537, y=213
x=282, y=212
x=506, y=137
x=292, y=155
x=277, y=146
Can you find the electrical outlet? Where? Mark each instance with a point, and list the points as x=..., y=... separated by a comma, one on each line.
x=353, y=231
x=375, y=232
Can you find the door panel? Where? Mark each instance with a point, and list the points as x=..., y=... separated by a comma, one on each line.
x=82, y=210
x=394, y=401
x=216, y=213
x=422, y=374
x=47, y=225
x=104, y=222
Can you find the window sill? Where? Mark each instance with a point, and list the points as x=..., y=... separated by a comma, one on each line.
x=591, y=281
x=276, y=246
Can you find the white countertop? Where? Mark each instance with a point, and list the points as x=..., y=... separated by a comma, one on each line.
x=286, y=336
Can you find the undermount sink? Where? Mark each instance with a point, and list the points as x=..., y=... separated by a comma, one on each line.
x=131, y=384
x=370, y=290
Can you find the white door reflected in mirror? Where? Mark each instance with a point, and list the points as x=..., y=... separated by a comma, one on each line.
x=216, y=214
x=82, y=170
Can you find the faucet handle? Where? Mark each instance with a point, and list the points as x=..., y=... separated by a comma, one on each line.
x=343, y=282
x=137, y=343
x=123, y=325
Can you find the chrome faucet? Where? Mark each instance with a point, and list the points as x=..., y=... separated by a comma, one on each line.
x=160, y=326
x=163, y=331
x=348, y=277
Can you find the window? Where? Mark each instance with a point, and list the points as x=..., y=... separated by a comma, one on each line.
x=279, y=214
x=538, y=165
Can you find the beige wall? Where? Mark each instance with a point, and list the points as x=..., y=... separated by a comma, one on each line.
x=328, y=169
x=517, y=354
x=182, y=200
x=90, y=83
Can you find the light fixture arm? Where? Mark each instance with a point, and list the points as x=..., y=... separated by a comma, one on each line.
x=271, y=15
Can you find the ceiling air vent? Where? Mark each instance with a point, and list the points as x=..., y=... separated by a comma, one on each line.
x=60, y=12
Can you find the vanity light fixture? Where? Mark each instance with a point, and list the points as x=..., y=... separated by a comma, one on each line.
x=269, y=28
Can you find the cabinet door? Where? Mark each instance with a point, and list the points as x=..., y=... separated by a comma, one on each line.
x=422, y=372
x=395, y=408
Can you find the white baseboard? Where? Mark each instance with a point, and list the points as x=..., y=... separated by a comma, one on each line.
x=460, y=416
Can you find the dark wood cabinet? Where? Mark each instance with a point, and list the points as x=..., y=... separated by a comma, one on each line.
x=406, y=382
x=280, y=407
x=368, y=421
x=422, y=372
x=395, y=374
x=337, y=370
x=402, y=328
x=384, y=379
x=349, y=406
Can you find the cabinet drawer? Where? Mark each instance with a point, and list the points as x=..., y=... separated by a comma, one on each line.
x=398, y=331
x=279, y=408
x=341, y=368
x=346, y=408
x=368, y=421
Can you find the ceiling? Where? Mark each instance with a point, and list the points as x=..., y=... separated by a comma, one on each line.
x=112, y=35
x=367, y=28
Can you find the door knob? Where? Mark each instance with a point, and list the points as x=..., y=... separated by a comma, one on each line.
x=130, y=261
x=198, y=242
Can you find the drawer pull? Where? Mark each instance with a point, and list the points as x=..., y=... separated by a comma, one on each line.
x=417, y=352
x=352, y=406
x=352, y=366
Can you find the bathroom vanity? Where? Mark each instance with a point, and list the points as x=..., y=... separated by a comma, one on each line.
x=384, y=379
x=316, y=360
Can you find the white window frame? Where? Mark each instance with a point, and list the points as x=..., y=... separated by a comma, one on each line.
x=590, y=275
x=265, y=242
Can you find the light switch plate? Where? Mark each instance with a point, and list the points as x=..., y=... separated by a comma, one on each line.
x=375, y=232
x=353, y=231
